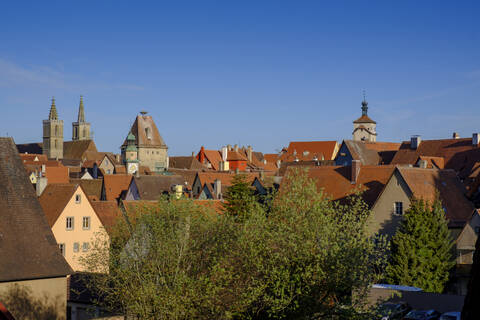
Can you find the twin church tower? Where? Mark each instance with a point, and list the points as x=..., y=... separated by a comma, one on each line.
x=53, y=131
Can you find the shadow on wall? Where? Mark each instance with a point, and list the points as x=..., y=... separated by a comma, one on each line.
x=23, y=305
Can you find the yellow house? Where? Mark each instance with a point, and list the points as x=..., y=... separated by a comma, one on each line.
x=73, y=220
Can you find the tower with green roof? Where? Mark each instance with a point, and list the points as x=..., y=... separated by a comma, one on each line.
x=130, y=154
x=53, y=134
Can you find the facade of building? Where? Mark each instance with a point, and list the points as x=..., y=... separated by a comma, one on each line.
x=151, y=148
x=364, y=128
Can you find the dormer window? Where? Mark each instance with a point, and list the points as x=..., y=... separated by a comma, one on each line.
x=148, y=133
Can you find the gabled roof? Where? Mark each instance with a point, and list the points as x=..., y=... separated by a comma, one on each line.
x=91, y=187
x=152, y=187
x=76, y=150
x=54, y=199
x=139, y=129
x=424, y=183
x=372, y=153
x=108, y=212
x=32, y=157
x=459, y=154
x=214, y=157
x=189, y=162
x=335, y=181
x=114, y=184
x=188, y=176
x=56, y=174
x=309, y=150
x=28, y=249
x=433, y=162
x=235, y=156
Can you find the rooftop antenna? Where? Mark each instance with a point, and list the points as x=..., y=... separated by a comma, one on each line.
x=364, y=96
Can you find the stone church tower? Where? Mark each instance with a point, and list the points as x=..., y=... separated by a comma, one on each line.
x=151, y=148
x=81, y=129
x=364, y=128
x=53, y=134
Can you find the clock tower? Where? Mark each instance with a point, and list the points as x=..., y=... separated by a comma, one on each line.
x=130, y=154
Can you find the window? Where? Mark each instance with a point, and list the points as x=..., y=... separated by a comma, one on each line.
x=108, y=171
x=148, y=133
x=86, y=223
x=85, y=246
x=106, y=162
x=61, y=246
x=78, y=198
x=398, y=207
x=76, y=247
x=70, y=223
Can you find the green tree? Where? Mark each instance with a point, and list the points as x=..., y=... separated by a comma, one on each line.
x=310, y=258
x=422, y=248
x=240, y=200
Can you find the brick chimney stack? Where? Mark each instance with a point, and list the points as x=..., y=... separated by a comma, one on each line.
x=356, y=165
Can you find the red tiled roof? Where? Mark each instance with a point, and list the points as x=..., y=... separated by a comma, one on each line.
x=459, y=154
x=57, y=175
x=224, y=177
x=114, y=184
x=235, y=156
x=108, y=212
x=433, y=162
x=372, y=153
x=364, y=119
x=308, y=150
x=424, y=183
x=32, y=156
x=335, y=181
x=54, y=199
x=214, y=157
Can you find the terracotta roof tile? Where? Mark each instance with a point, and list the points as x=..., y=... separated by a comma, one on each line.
x=76, y=149
x=31, y=157
x=459, y=154
x=190, y=163
x=54, y=199
x=214, y=157
x=188, y=176
x=364, y=119
x=108, y=212
x=372, y=153
x=335, y=181
x=309, y=150
x=424, y=184
x=142, y=122
x=114, y=184
x=91, y=187
x=153, y=187
x=28, y=249
x=433, y=162
x=57, y=174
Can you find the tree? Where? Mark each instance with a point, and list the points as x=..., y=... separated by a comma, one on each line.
x=176, y=260
x=422, y=248
x=239, y=198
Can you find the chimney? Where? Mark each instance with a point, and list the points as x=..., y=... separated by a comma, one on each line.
x=43, y=170
x=456, y=135
x=249, y=153
x=262, y=175
x=217, y=189
x=224, y=153
x=422, y=163
x=356, y=164
x=279, y=163
x=415, y=142
x=201, y=155
x=475, y=141
x=235, y=148
x=229, y=147
x=42, y=183
x=137, y=173
x=117, y=158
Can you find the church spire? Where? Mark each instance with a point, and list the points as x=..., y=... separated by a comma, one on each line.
x=53, y=111
x=364, y=105
x=81, y=111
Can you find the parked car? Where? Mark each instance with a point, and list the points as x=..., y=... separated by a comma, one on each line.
x=451, y=316
x=422, y=315
x=393, y=310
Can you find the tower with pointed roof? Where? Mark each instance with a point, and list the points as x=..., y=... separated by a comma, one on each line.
x=81, y=128
x=130, y=154
x=151, y=148
x=364, y=128
x=53, y=134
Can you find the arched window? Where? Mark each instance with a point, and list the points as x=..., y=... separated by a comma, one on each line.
x=56, y=130
x=75, y=132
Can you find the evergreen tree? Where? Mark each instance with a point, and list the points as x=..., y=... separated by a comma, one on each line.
x=239, y=198
x=422, y=248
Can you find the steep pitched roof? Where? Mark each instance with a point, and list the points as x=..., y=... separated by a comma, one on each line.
x=108, y=212
x=459, y=154
x=433, y=162
x=235, y=156
x=77, y=149
x=139, y=129
x=30, y=148
x=424, y=183
x=188, y=176
x=152, y=187
x=190, y=163
x=114, y=184
x=372, y=153
x=28, y=249
x=309, y=150
x=54, y=199
x=214, y=157
x=335, y=181
x=91, y=187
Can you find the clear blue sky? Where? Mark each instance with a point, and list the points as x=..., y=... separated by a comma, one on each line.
x=258, y=73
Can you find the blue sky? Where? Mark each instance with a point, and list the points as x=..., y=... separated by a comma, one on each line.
x=258, y=73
